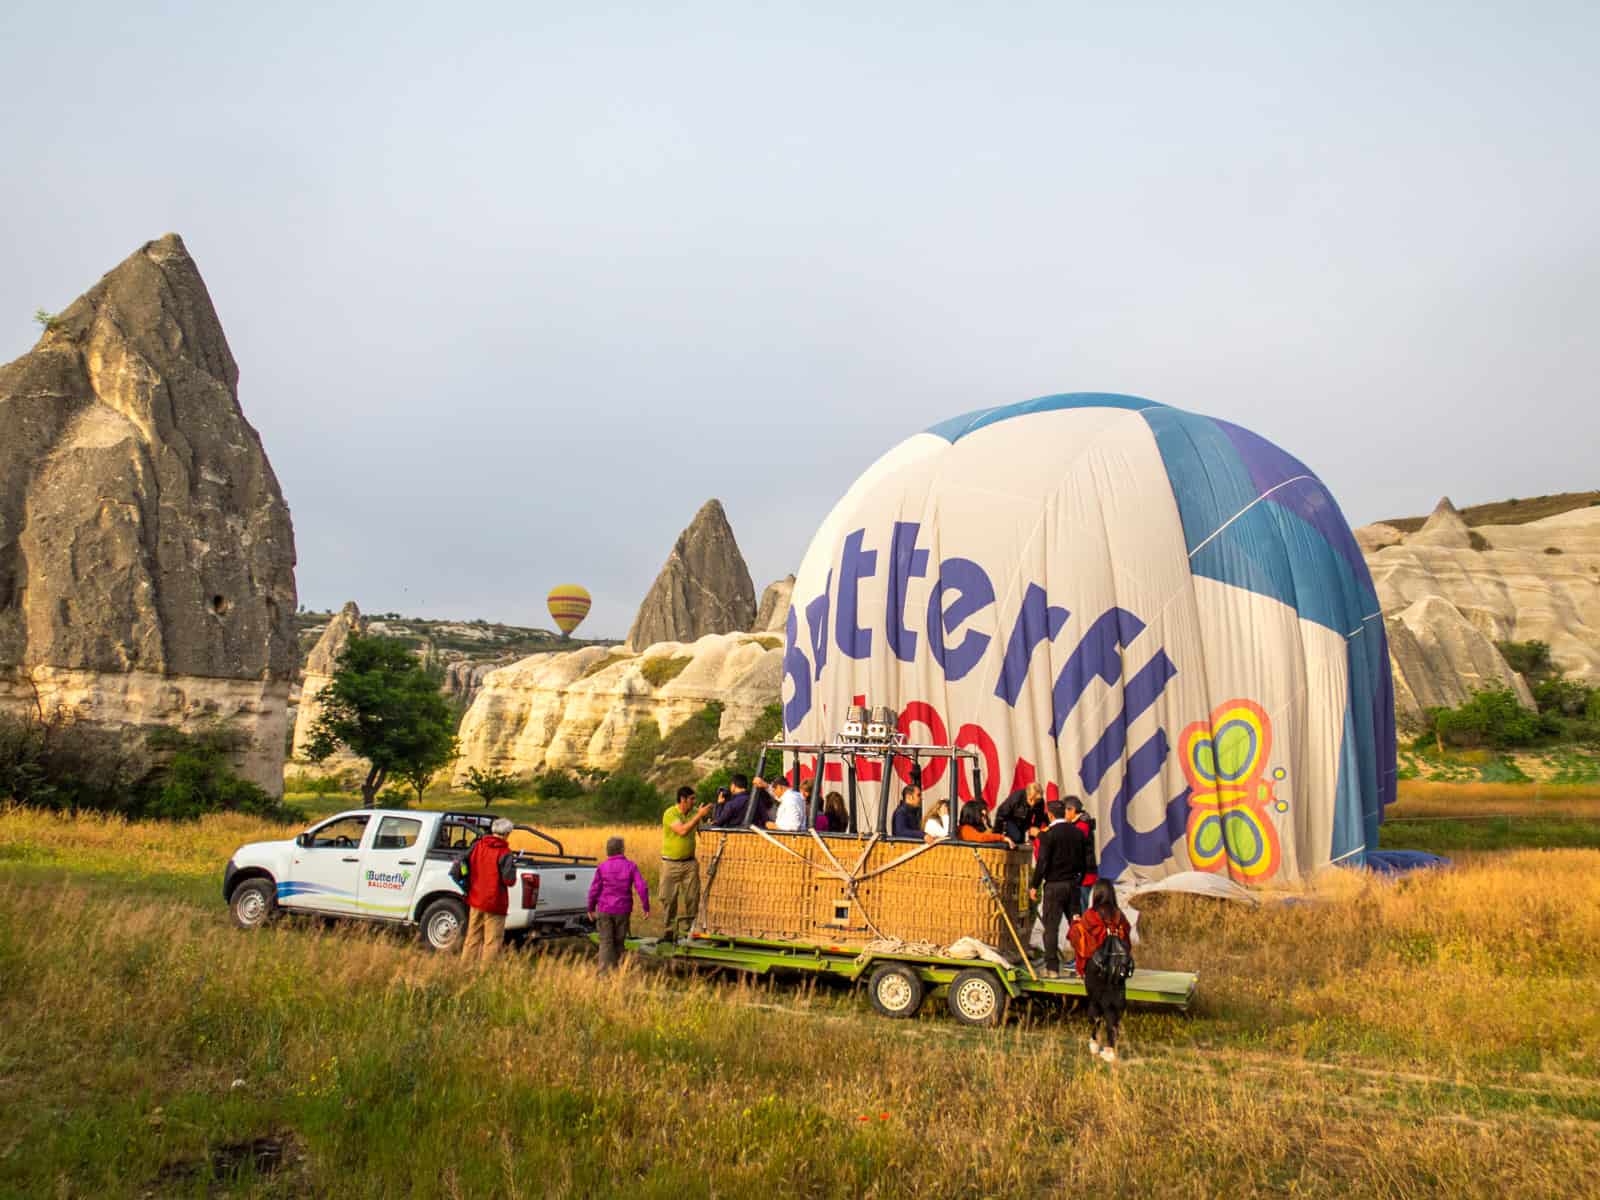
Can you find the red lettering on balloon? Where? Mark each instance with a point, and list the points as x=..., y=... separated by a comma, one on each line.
x=920, y=712
x=977, y=738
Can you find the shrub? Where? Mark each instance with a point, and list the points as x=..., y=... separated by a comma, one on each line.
x=54, y=763
x=1553, y=550
x=556, y=785
x=314, y=785
x=1493, y=718
x=198, y=778
x=395, y=797
x=625, y=798
x=1527, y=658
x=695, y=736
x=1562, y=696
x=490, y=786
x=661, y=671
x=1477, y=541
x=643, y=748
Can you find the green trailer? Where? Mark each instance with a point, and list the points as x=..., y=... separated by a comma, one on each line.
x=977, y=992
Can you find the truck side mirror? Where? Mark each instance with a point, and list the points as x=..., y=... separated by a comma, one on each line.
x=303, y=839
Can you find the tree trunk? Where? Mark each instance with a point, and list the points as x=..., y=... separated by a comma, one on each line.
x=369, y=787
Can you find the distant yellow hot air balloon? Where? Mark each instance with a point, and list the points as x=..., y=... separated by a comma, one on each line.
x=569, y=605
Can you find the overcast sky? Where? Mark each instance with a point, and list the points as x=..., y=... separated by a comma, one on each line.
x=515, y=287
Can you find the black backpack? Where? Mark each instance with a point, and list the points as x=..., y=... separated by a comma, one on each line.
x=1113, y=959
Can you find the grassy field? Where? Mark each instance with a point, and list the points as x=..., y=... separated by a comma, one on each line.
x=1439, y=1034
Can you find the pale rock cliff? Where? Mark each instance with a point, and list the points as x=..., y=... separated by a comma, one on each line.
x=704, y=586
x=773, y=610
x=320, y=664
x=580, y=708
x=1534, y=582
x=146, y=553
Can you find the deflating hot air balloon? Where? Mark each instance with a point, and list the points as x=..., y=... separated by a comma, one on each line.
x=1160, y=612
x=569, y=605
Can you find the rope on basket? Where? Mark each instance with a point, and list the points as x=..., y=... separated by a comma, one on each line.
x=840, y=874
x=994, y=894
x=705, y=894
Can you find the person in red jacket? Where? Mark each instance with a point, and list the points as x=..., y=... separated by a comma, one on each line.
x=489, y=872
x=1104, y=983
x=1080, y=817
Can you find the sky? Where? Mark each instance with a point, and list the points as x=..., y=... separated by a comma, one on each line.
x=515, y=287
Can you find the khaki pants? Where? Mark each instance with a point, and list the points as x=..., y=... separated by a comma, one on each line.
x=485, y=933
x=613, y=929
x=680, y=895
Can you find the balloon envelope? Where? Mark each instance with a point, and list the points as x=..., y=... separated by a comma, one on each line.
x=568, y=605
x=1159, y=612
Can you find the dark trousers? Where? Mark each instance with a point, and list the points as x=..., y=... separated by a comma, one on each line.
x=613, y=928
x=1056, y=900
x=1106, y=1002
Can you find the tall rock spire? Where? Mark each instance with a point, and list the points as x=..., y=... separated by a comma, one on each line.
x=704, y=586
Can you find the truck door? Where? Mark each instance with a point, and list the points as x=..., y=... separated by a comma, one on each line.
x=327, y=861
x=390, y=866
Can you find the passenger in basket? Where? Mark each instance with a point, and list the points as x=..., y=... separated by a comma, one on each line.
x=833, y=818
x=491, y=866
x=1056, y=873
x=907, y=819
x=1102, y=944
x=611, y=900
x=680, y=875
x=1021, y=815
x=731, y=806
x=791, y=806
x=937, y=827
x=974, y=818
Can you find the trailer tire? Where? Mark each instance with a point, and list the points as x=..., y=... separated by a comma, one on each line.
x=444, y=925
x=896, y=991
x=254, y=903
x=977, y=998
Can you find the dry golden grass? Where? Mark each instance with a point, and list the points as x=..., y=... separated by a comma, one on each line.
x=1439, y=1034
x=1424, y=798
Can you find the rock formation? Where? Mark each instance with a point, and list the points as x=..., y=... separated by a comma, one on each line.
x=704, y=586
x=320, y=664
x=1534, y=582
x=773, y=610
x=146, y=553
x=580, y=708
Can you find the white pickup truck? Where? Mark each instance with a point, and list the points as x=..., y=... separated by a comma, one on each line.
x=393, y=865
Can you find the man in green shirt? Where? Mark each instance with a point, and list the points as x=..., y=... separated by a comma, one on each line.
x=680, y=875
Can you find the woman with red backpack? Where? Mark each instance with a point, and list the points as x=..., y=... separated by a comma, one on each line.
x=1102, y=944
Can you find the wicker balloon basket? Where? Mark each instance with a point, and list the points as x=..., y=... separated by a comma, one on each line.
x=848, y=891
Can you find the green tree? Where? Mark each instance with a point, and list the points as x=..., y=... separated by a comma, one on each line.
x=384, y=706
x=490, y=786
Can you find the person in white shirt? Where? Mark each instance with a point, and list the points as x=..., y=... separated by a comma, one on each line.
x=791, y=807
x=937, y=827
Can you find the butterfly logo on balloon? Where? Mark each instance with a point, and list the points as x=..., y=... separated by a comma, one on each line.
x=1224, y=760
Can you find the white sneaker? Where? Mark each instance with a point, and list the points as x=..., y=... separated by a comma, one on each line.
x=1094, y=1047
x=1108, y=1055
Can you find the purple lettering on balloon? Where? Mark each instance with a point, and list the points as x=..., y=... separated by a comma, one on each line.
x=797, y=669
x=906, y=562
x=1037, y=621
x=1150, y=847
x=817, y=619
x=973, y=592
x=1096, y=656
x=855, y=564
x=1138, y=695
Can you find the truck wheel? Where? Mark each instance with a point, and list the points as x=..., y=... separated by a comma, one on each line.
x=444, y=924
x=896, y=991
x=976, y=998
x=254, y=903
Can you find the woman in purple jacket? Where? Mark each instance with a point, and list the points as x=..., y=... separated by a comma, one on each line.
x=611, y=900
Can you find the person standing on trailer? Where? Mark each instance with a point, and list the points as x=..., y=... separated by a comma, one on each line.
x=680, y=874
x=490, y=868
x=1021, y=815
x=1079, y=816
x=611, y=901
x=1057, y=874
x=1103, y=945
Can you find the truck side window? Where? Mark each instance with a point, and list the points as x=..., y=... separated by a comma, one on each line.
x=455, y=838
x=397, y=833
x=344, y=833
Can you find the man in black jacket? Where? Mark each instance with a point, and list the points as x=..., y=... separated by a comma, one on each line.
x=1057, y=873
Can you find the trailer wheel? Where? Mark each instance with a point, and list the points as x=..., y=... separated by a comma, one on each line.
x=896, y=991
x=976, y=998
x=254, y=903
x=444, y=924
